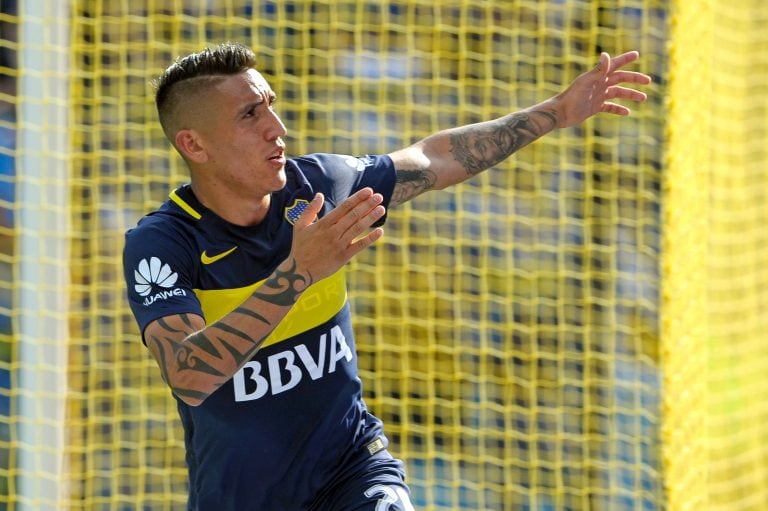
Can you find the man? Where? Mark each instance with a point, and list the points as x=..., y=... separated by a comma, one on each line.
x=237, y=281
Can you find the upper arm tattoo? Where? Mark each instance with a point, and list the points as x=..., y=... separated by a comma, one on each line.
x=480, y=146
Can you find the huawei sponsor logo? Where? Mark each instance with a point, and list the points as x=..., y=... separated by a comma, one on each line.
x=155, y=281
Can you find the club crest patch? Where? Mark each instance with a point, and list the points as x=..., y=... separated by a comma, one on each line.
x=293, y=212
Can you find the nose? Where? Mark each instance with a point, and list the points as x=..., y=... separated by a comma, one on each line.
x=277, y=129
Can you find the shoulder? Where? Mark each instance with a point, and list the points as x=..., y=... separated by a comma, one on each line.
x=158, y=228
x=348, y=172
x=175, y=222
x=162, y=236
x=327, y=162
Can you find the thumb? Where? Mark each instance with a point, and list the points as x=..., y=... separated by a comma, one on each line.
x=604, y=65
x=310, y=213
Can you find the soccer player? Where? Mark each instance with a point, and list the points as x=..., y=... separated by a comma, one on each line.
x=237, y=280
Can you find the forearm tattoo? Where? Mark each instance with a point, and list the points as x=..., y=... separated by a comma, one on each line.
x=480, y=146
x=215, y=351
x=197, y=355
x=411, y=183
x=284, y=287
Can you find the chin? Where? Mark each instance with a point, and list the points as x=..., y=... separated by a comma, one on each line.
x=280, y=182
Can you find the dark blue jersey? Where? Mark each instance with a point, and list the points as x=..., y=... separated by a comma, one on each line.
x=292, y=420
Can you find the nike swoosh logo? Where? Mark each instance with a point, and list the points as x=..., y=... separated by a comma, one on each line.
x=206, y=259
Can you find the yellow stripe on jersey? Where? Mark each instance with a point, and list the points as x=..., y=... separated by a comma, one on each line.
x=184, y=205
x=317, y=305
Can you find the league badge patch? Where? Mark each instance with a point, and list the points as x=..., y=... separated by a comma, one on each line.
x=293, y=212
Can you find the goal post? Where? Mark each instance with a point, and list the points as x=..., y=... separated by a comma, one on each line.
x=44, y=230
x=714, y=319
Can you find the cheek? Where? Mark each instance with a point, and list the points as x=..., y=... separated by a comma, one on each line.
x=228, y=150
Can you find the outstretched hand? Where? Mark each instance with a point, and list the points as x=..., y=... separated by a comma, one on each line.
x=593, y=91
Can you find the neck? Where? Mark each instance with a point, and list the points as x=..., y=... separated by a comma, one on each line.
x=233, y=208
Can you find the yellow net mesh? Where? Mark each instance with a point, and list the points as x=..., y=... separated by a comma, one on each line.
x=510, y=330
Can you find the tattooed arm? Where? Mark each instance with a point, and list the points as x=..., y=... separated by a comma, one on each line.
x=196, y=359
x=454, y=155
x=451, y=156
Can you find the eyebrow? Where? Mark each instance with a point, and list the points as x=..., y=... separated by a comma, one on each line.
x=258, y=101
x=248, y=107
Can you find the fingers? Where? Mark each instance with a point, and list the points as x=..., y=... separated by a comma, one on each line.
x=365, y=241
x=321, y=246
x=311, y=211
x=349, y=220
x=615, y=108
x=621, y=93
x=360, y=218
x=629, y=77
x=616, y=76
x=612, y=65
x=349, y=204
x=357, y=213
x=353, y=217
x=618, y=92
x=622, y=60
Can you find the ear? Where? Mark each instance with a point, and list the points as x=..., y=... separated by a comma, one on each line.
x=189, y=144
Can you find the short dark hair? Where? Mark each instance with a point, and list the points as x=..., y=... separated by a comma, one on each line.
x=183, y=77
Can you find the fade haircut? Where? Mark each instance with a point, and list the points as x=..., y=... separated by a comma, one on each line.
x=186, y=78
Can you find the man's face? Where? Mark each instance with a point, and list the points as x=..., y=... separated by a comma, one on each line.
x=243, y=136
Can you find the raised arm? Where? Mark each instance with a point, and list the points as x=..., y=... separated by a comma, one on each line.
x=196, y=359
x=454, y=155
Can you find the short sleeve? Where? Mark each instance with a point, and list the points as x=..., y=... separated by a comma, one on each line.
x=159, y=273
x=348, y=174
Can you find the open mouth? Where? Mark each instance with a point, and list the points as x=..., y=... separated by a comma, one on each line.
x=278, y=158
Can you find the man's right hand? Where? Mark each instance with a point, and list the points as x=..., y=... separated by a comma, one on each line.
x=322, y=246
